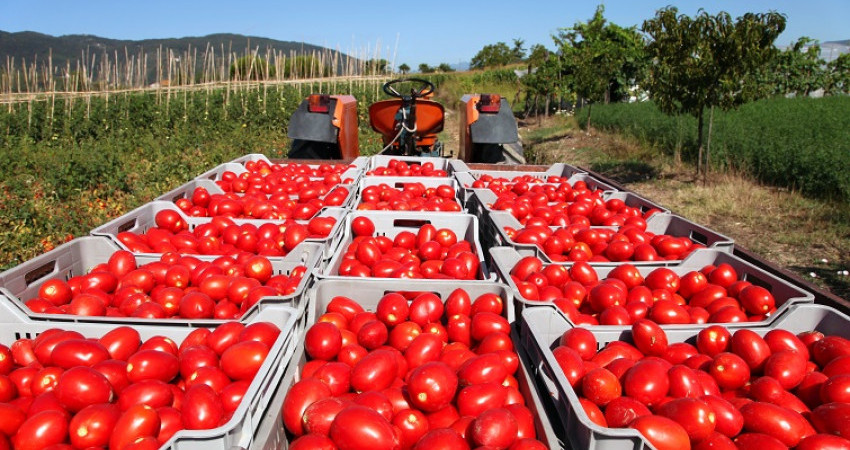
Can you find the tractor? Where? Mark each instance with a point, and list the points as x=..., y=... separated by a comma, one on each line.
x=325, y=126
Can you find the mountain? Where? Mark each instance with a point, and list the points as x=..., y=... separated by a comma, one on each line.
x=29, y=46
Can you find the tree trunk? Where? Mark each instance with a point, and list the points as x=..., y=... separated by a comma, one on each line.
x=589, y=110
x=699, y=141
x=708, y=146
x=548, y=98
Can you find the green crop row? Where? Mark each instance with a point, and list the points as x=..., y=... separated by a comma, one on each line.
x=796, y=143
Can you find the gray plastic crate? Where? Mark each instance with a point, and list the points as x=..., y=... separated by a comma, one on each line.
x=786, y=294
x=542, y=327
x=142, y=219
x=449, y=165
x=667, y=224
x=239, y=431
x=78, y=256
x=391, y=223
x=400, y=182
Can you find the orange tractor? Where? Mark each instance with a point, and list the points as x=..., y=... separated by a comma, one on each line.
x=325, y=126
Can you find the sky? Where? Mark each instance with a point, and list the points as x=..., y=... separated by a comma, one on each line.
x=411, y=32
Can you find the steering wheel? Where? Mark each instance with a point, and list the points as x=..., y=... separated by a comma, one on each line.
x=426, y=87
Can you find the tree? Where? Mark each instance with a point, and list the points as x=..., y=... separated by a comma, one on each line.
x=305, y=66
x=251, y=68
x=404, y=68
x=601, y=60
x=798, y=69
x=518, y=51
x=537, y=56
x=445, y=68
x=375, y=66
x=425, y=68
x=707, y=61
x=492, y=55
x=838, y=75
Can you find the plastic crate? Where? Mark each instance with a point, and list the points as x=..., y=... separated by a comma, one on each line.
x=465, y=179
x=76, y=257
x=239, y=431
x=542, y=327
x=142, y=219
x=785, y=293
x=449, y=165
x=391, y=223
x=668, y=224
x=400, y=182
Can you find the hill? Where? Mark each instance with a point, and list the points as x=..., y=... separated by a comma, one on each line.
x=30, y=46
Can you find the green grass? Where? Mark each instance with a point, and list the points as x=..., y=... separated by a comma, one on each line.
x=802, y=144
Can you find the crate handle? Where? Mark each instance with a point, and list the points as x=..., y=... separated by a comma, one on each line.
x=758, y=281
x=410, y=223
x=178, y=197
x=128, y=225
x=699, y=238
x=39, y=272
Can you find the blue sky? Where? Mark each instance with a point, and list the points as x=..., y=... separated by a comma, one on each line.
x=412, y=32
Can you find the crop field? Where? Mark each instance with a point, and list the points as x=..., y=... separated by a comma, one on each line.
x=802, y=144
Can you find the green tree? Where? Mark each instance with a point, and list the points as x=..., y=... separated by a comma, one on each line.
x=798, y=69
x=492, y=55
x=537, y=56
x=425, y=68
x=601, y=60
x=251, y=68
x=838, y=75
x=305, y=66
x=375, y=66
x=707, y=61
x=445, y=68
x=404, y=68
x=544, y=82
x=518, y=51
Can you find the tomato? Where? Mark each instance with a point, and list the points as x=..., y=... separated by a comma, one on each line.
x=413, y=426
x=728, y=420
x=319, y=416
x=779, y=339
x=495, y=428
x=695, y=416
x=581, y=340
x=137, y=422
x=832, y=418
x=824, y=442
x=757, y=300
x=600, y=386
x=486, y=323
x=723, y=275
x=787, y=367
x=760, y=441
x=621, y=411
x=571, y=363
x=93, y=425
x=649, y=338
x=243, y=360
x=362, y=226
x=153, y=393
x=713, y=340
x=41, y=430
x=359, y=427
x=300, y=396
x=78, y=352
x=661, y=432
x=485, y=368
x=152, y=364
x=323, y=341
x=432, y=386
x=782, y=423
x=684, y=381
x=442, y=439
x=312, y=442
x=81, y=386
x=196, y=305
x=751, y=347
x=646, y=382
x=375, y=371
x=729, y=370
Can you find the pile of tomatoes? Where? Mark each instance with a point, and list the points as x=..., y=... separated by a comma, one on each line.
x=411, y=197
x=579, y=242
x=310, y=198
x=175, y=286
x=428, y=253
x=221, y=236
x=412, y=374
x=117, y=392
x=397, y=168
x=713, y=294
x=519, y=184
x=549, y=206
x=766, y=390
x=293, y=170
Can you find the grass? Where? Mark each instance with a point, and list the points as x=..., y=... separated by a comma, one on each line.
x=809, y=236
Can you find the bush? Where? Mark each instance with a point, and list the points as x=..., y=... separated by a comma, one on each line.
x=796, y=143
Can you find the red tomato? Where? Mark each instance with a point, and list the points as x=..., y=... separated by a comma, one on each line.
x=152, y=364
x=41, y=430
x=782, y=423
x=496, y=428
x=661, y=432
x=375, y=371
x=432, y=386
x=300, y=396
x=121, y=342
x=93, y=425
x=751, y=348
x=695, y=416
x=362, y=226
x=243, y=360
x=362, y=428
x=82, y=386
x=600, y=386
x=323, y=341
x=621, y=411
x=649, y=338
x=713, y=340
x=728, y=420
x=729, y=370
x=646, y=382
x=137, y=422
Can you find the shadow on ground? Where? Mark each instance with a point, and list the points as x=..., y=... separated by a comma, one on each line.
x=830, y=275
x=626, y=171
